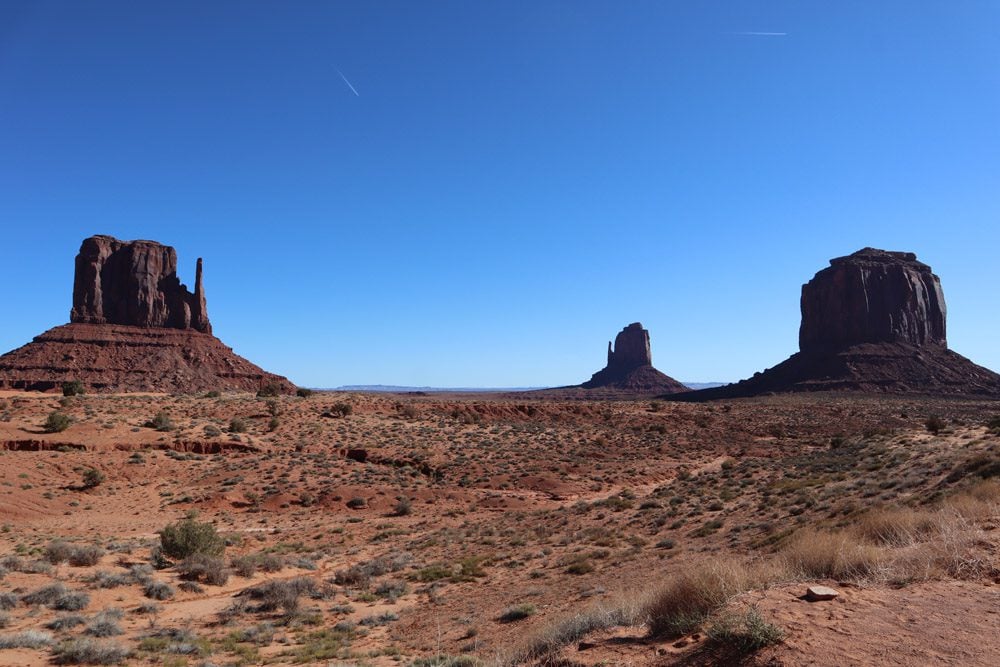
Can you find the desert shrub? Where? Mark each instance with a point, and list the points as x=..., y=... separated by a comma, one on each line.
x=743, y=634
x=237, y=425
x=191, y=587
x=58, y=551
x=4, y=619
x=391, y=590
x=272, y=595
x=688, y=598
x=202, y=567
x=158, y=590
x=161, y=422
x=104, y=579
x=550, y=638
x=934, y=424
x=212, y=431
x=341, y=409
x=57, y=422
x=822, y=555
x=148, y=608
x=188, y=537
x=894, y=527
x=65, y=622
x=26, y=639
x=105, y=624
x=361, y=573
x=84, y=651
x=46, y=594
x=92, y=477
x=517, y=613
x=71, y=601
x=7, y=601
x=357, y=503
x=379, y=619
x=269, y=391
x=85, y=556
x=72, y=388
x=447, y=661
x=302, y=392
x=403, y=507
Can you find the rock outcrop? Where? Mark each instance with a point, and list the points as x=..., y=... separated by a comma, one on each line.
x=134, y=327
x=630, y=366
x=872, y=321
x=872, y=296
x=135, y=283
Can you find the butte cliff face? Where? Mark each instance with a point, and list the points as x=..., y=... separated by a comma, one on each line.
x=872, y=321
x=630, y=366
x=135, y=283
x=133, y=327
x=872, y=296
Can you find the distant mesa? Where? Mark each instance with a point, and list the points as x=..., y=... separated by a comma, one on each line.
x=630, y=366
x=872, y=321
x=133, y=327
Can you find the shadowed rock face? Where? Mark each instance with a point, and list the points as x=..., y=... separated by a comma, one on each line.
x=631, y=349
x=872, y=296
x=873, y=321
x=135, y=283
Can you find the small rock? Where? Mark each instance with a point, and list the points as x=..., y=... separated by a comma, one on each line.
x=820, y=593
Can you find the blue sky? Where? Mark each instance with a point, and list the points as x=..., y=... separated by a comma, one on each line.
x=512, y=183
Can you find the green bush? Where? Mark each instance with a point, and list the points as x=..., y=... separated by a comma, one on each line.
x=341, y=409
x=189, y=537
x=934, y=424
x=517, y=613
x=302, y=392
x=237, y=425
x=57, y=422
x=73, y=388
x=161, y=422
x=92, y=477
x=743, y=634
x=269, y=391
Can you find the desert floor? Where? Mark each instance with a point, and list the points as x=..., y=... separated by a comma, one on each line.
x=466, y=529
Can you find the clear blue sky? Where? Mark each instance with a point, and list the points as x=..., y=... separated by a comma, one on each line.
x=512, y=182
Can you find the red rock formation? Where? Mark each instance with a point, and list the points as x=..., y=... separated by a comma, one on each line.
x=872, y=296
x=630, y=366
x=872, y=321
x=134, y=283
x=134, y=327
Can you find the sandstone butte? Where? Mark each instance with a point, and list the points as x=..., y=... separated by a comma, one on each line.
x=630, y=366
x=133, y=327
x=873, y=321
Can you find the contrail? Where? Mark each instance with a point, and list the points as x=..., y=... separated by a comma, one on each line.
x=753, y=33
x=348, y=83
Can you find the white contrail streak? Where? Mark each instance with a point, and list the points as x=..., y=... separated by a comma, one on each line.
x=753, y=33
x=348, y=83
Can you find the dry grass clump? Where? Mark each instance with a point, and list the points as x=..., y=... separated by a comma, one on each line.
x=690, y=597
x=627, y=611
x=901, y=545
x=897, y=527
x=85, y=651
x=741, y=634
x=26, y=639
x=816, y=554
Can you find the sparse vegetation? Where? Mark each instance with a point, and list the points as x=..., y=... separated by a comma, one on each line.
x=190, y=537
x=57, y=422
